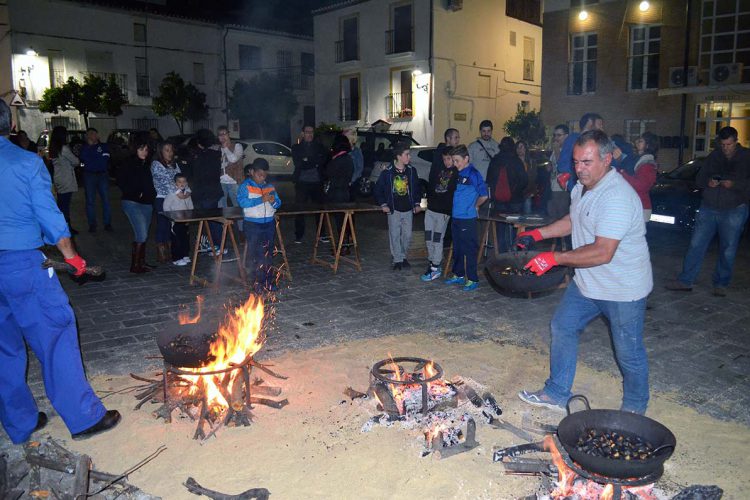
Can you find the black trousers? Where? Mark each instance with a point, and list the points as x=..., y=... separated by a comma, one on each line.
x=304, y=192
x=180, y=240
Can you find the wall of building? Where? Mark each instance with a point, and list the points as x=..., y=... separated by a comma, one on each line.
x=472, y=46
x=612, y=22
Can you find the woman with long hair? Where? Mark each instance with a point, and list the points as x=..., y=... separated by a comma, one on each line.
x=163, y=170
x=642, y=176
x=138, y=195
x=64, y=178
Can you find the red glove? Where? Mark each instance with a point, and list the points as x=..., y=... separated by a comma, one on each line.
x=78, y=265
x=542, y=263
x=526, y=239
x=563, y=179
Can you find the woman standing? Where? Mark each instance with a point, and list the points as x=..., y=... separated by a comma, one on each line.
x=64, y=162
x=163, y=170
x=138, y=194
x=522, y=150
x=643, y=174
x=339, y=175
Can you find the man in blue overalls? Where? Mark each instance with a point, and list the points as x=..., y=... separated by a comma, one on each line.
x=34, y=309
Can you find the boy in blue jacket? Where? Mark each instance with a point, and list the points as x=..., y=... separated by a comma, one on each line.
x=399, y=194
x=259, y=201
x=471, y=192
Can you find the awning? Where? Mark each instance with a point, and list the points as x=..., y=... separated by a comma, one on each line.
x=722, y=92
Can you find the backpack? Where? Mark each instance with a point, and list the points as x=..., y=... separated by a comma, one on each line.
x=502, y=192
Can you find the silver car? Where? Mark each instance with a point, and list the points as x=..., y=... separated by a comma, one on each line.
x=279, y=156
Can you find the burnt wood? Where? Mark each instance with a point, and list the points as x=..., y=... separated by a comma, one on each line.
x=254, y=493
x=81, y=478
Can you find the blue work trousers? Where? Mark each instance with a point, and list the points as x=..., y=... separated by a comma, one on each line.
x=465, y=247
x=34, y=310
x=728, y=224
x=97, y=182
x=260, y=254
x=626, y=326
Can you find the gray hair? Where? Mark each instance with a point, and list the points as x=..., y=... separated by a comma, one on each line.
x=603, y=143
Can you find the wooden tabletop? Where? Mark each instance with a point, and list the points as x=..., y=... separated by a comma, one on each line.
x=235, y=213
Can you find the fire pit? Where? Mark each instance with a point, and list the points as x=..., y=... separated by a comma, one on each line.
x=207, y=368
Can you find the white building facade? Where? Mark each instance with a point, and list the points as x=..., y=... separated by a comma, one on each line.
x=424, y=66
x=52, y=40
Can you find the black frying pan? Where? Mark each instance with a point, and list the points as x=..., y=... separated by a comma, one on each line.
x=512, y=283
x=623, y=422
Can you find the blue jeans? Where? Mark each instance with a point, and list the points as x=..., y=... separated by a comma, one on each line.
x=229, y=198
x=728, y=224
x=626, y=326
x=139, y=215
x=260, y=253
x=34, y=311
x=465, y=246
x=163, y=225
x=97, y=182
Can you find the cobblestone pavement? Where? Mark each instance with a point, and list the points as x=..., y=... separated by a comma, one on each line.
x=698, y=345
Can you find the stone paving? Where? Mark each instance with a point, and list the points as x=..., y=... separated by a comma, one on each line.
x=699, y=347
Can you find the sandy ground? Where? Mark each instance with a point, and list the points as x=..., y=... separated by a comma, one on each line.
x=314, y=448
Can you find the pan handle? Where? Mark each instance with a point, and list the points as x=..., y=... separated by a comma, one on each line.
x=577, y=396
x=662, y=447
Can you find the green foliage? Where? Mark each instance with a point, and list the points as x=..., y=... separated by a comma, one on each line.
x=526, y=126
x=324, y=127
x=265, y=99
x=181, y=100
x=94, y=95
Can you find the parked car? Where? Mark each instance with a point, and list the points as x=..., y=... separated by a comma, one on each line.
x=76, y=139
x=279, y=156
x=675, y=198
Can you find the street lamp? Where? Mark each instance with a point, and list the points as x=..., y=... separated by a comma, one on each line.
x=416, y=72
x=644, y=6
x=32, y=52
x=583, y=15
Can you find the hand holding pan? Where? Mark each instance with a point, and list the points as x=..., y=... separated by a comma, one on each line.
x=92, y=273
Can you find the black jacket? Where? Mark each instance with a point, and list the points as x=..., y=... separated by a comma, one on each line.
x=206, y=174
x=308, y=156
x=736, y=169
x=339, y=173
x=517, y=177
x=135, y=182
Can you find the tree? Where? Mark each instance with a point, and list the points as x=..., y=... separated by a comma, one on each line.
x=94, y=95
x=265, y=100
x=181, y=100
x=526, y=126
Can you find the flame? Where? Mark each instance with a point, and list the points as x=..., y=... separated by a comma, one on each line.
x=566, y=476
x=184, y=315
x=429, y=370
x=400, y=392
x=608, y=492
x=238, y=338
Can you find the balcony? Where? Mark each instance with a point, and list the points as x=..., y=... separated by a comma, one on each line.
x=142, y=86
x=348, y=109
x=399, y=105
x=58, y=77
x=528, y=70
x=302, y=81
x=347, y=51
x=399, y=41
x=120, y=79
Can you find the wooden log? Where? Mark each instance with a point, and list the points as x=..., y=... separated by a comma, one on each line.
x=251, y=494
x=351, y=393
x=266, y=390
x=81, y=478
x=269, y=402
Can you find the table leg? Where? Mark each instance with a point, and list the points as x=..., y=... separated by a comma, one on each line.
x=210, y=239
x=235, y=247
x=317, y=238
x=329, y=229
x=220, y=258
x=495, y=242
x=354, y=239
x=287, y=270
x=337, y=247
x=484, y=242
x=195, y=251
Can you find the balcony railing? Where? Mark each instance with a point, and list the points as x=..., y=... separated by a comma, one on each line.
x=399, y=105
x=528, y=70
x=399, y=41
x=347, y=51
x=142, y=86
x=58, y=77
x=348, y=110
x=120, y=79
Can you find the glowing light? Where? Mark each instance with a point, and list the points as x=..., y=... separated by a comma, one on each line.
x=416, y=72
x=583, y=15
x=32, y=52
x=644, y=6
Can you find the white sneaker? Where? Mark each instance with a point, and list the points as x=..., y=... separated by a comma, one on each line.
x=187, y=260
x=180, y=262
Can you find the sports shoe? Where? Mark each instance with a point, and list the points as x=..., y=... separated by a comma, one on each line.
x=678, y=286
x=325, y=239
x=540, y=398
x=179, y=262
x=297, y=241
x=455, y=280
x=229, y=257
x=204, y=247
x=406, y=264
x=397, y=266
x=470, y=285
x=187, y=260
x=431, y=275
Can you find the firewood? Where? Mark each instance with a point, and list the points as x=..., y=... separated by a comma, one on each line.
x=253, y=493
x=354, y=394
x=266, y=390
x=81, y=479
x=67, y=468
x=269, y=402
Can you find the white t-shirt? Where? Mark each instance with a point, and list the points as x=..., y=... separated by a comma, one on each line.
x=227, y=157
x=612, y=210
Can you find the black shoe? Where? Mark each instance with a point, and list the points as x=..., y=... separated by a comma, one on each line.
x=108, y=421
x=397, y=266
x=108, y=228
x=406, y=264
x=41, y=421
x=92, y=229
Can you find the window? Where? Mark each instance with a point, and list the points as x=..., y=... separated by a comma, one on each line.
x=284, y=63
x=399, y=102
x=643, y=63
x=529, y=11
x=582, y=65
x=249, y=57
x=271, y=149
x=141, y=77
x=528, y=58
x=725, y=34
x=636, y=128
x=349, y=98
x=199, y=74
x=56, y=68
x=347, y=48
x=139, y=32
x=400, y=38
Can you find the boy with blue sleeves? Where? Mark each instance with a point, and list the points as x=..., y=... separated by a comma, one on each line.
x=471, y=192
x=259, y=201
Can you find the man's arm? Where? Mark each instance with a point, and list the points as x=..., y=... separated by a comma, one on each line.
x=65, y=245
x=594, y=254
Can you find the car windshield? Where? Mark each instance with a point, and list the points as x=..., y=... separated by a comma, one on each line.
x=687, y=172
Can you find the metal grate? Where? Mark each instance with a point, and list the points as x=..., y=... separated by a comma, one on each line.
x=399, y=105
x=346, y=51
x=399, y=41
